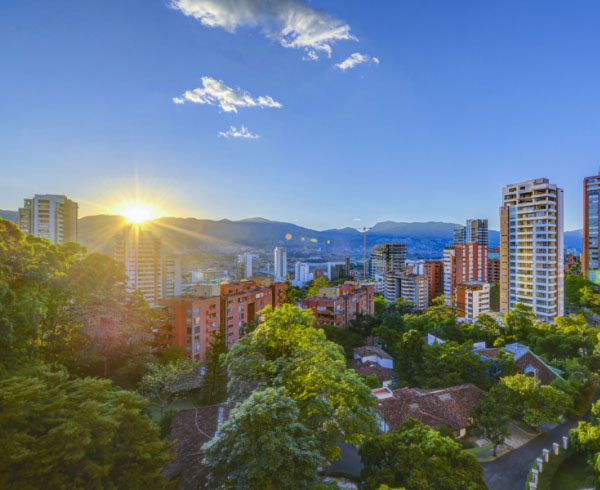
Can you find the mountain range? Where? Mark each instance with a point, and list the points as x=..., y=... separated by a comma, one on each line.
x=423, y=239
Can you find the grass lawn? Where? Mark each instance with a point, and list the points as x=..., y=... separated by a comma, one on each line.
x=177, y=405
x=573, y=474
x=479, y=450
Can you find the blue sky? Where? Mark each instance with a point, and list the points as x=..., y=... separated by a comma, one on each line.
x=467, y=96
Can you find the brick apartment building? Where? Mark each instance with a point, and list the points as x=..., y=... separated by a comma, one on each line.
x=434, y=270
x=464, y=263
x=196, y=318
x=341, y=304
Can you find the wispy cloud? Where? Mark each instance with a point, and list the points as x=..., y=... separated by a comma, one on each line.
x=243, y=132
x=356, y=59
x=356, y=219
x=292, y=23
x=215, y=92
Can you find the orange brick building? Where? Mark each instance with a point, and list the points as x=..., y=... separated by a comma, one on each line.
x=340, y=305
x=434, y=270
x=194, y=319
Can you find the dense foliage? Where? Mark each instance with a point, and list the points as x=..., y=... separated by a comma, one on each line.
x=63, y=432
x=263, y=445
x=286, y=351
x=417, y=457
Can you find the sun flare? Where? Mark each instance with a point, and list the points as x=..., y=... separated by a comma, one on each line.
x=138, y=213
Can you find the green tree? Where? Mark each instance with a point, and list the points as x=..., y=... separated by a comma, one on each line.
x=417, y=457
x=60, y=432
x=409, y=355
x=495, y=297
x=492, y=417
x=167, y=382
x=344, y=337
x=214, y=378
x=532, y=403
x=287, y=296
x=586, y=438
x=263, y=445
x=520, y=320
x=315, y=287
x=286, y=351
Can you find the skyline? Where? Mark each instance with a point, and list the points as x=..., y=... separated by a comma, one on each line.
x=265, y=130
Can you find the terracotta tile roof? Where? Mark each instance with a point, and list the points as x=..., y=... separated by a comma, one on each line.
x=448, y=406
x=368, y=368
x=191, y=429
x=369, y=350
x=525, y=360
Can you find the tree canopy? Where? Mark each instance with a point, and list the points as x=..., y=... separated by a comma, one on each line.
x=286, y=351
x=62, y=432
x=417, y=457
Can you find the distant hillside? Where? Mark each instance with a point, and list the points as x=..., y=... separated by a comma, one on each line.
x=9, y=215
x=423, y=239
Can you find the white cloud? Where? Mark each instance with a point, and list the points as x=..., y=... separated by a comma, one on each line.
x=290, y=22
x=243, y=132
x=356, y=219
x=215, y=92
x=356, y=59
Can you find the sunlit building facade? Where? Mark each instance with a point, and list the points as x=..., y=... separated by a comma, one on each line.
x=49, y=216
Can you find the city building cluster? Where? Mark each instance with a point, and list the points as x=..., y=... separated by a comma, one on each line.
x=528, y=268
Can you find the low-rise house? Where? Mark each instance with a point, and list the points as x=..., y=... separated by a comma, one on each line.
x=190, y=429
x=527, y=362
x=447, y=406
x=374, y=360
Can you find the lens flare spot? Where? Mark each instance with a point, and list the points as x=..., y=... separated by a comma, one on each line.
x=288, y=236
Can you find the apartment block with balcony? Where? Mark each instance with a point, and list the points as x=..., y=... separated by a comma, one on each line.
x=473, y=299
x=387, y=257
x=531, y=248
x=140, y=252
x=50, y=216
x=415, y=288
x=194, y=319
x=340, y=305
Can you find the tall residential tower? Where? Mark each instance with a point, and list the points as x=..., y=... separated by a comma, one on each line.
x=531, y=248
x=589, y=266
x=51, y=217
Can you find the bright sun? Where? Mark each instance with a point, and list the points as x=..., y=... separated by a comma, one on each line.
x=138, y=213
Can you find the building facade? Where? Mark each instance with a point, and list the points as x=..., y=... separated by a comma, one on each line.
x=140, y=251
x=193, y=320
x=387, y=257
x=244, y=266
x=476, y=230
x=280, y=264
x=464, y=263
x=493, y=268
x=415, y=288
x=302, y=274
x=531, y=248
x=434, y=270
x=589, y=263
x=49, y=216
x=340, y=305
x=473, y=299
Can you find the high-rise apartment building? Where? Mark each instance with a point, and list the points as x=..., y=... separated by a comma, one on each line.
x=463, y=263
x=493, y=271
x=139, y=250
x=531, y=248
x=280, y=263
x=49, y=216
x=244, y=265
x=302, y=274
x=589, y=265
x=415, y=288
x=171, y=276
x=434, y=270
x=476, y=230
x=387, y=257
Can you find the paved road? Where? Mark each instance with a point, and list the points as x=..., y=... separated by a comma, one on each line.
x=509, y=472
